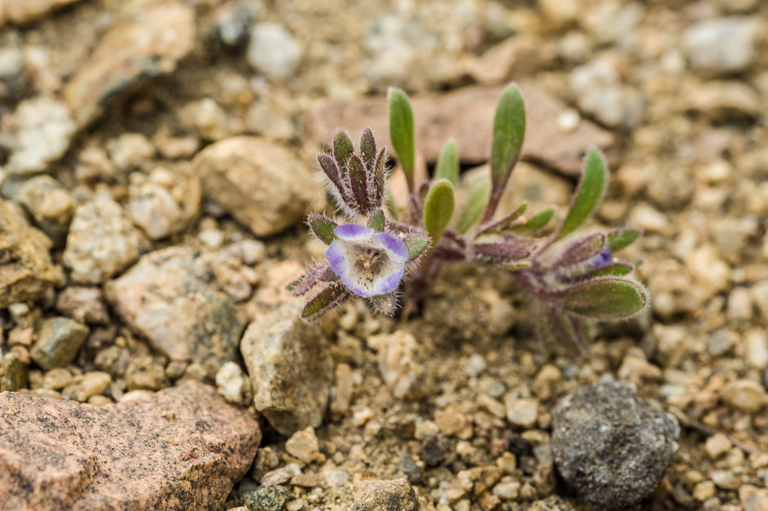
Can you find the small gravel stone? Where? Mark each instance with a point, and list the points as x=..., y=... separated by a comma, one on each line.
x=57, y=378
x=58, y=341
x=752, y=498
x=717, y=445
x=130, y=150
x=304, y=445
x=273, y=51
x=722, y=45
x=13, y=373
x=553, y=503
x=50, y=205
x=87, y=385
x=521, y=412
x=599, y=93
x=725, y=479
x=507, y=490
x=154, y=209
x=276, y=477
x=271, y=498
x=745, y=395
x=206, y=119
x=434, y=450
x=83, y=304
x=404, y=365
x=101, y=243
x=704, y=490
x=43, y=131
x=612, y=445
x=234, y=384
x=395, y=495
x=266, y=460
x=145, y=372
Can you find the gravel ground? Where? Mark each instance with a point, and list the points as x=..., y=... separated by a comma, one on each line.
x=156, y=161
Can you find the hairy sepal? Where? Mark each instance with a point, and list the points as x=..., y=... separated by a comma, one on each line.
x=416, y=244
x=310, y=278
x=330, y=297
x=368, y=148
x=358, y=178
x=581, y=250
x=384, y=304
x=377, y=221
x=342, y=149
x=322, y=227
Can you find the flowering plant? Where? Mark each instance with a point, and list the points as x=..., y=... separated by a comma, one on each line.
x=573, y=279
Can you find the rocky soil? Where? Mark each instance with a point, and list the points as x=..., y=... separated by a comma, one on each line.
x=157, y=159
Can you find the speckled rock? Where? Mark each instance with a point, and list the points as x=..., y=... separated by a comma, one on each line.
x=24, y=11
x=43, y=130
x=26, y=271
x=58, y=341
x=50, y=205
x=262, y=185
x=182, y=448
x=291, y=368
x=395, y=495
x=147, y=40
x=169, y=297
x=553, y=503
x=611, y=445
x=270, y=498
x=101, y=243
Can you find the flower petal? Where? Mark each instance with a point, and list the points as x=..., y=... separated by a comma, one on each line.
x=353, y=232
x=395, y=246
x=337, y=258
x=388, y=283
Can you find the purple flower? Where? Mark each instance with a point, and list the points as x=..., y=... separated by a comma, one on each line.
x=601, y=259
x=368, y=263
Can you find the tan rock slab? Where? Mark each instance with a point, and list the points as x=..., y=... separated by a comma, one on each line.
x=182, y=448
x=467, y=116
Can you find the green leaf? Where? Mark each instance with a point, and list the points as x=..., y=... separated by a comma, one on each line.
x=401, y=132
x=535, y=223
x=389, y=199
x=368, y=148
x=342, y=149
x=588, y=194
x=325, y=300
x=438, y=209
x=508, y=136
x=322, y=227
x=415, y=245
x=448, y=163
x=603, y=298
x=472, y=210
x=376, y=221
x=619, y=239
x=614, y=270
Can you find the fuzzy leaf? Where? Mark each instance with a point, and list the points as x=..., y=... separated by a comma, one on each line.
x=378, y=178
x=588, y=195
x=359, y=181
x=448, y=163
x=368, y=148
x=401, y=132
x=602, y=298
x=614, y=270
x=508, y=136
x=535, y=223
x=322, y=227
x=620, y=238
x=416, y=244
x=581, y=250
x=384, y=304
x=389, y=199
x=324, y=301
x=509, y=250
x=342, y=149
x=376, y=221
x=438, y=209
x=332, y=171
x=321, y=273
x=478, y=198
x=504, y=223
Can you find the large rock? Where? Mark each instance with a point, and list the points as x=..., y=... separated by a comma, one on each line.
x=23, y=11
x=262, y=185
x=183, y=448
x=101, y=243
x=170, y=297
x=611, y=445
x=42, y=131
x=26, y=271
x=291, y=368
x=147, y=40
x=467, y=116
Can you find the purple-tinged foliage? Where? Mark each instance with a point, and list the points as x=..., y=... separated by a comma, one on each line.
x=573, y=279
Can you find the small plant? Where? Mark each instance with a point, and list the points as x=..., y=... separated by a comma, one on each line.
x=378, y=256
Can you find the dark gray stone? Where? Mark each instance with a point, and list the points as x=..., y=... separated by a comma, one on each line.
x=270, y=498
x=611, y=445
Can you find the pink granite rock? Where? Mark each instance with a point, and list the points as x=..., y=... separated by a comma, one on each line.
x=182, y=448
x=467, y=116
